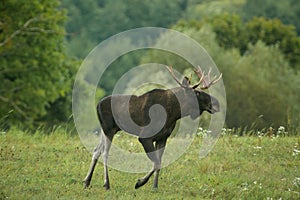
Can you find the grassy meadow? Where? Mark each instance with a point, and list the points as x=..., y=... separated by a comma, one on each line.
x=53, y=166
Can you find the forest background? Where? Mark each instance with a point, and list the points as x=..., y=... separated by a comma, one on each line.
x=255, y=45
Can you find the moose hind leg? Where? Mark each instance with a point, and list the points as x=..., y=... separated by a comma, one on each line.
x=97, y=152
x=107, y=142
x=160, y=147
x=152, y=155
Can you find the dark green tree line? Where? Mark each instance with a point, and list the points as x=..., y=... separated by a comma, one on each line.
x=286, y=11
x=34, y=70
x=255, y=45
x=232, y=32
x=91, y=22
x=261, y=85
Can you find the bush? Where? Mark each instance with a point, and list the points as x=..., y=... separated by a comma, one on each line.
x=261, y=87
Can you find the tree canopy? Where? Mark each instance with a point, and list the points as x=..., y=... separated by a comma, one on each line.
x=255, y=45
x=286, y=11
x=94, y=21
x=34, y=69
x=259, y=84
x=232, y=32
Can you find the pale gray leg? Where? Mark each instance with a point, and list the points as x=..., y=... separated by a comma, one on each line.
x=107, y=142
x=160, y=147
x=88, y=178
x=97, y=152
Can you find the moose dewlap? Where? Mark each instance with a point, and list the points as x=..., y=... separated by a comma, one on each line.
x=152, y=118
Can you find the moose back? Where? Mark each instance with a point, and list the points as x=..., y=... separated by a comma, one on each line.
x=152, y=118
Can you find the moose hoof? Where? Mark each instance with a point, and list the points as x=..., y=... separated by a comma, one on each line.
x=139, y=183
x=86, y=184
x=106, y=186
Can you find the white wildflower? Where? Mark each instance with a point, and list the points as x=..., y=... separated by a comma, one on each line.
x=296, y=152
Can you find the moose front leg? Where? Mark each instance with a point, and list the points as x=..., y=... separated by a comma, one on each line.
x=97, y=152
x=153, y=156
x=159, y=147
x=107, y=142
x=88, y=178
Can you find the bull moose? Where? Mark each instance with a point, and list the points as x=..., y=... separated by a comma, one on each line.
x=177, y=103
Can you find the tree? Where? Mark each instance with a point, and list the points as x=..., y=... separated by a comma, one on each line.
x=34, y=69
x=199, y=9
x=260, y=89
x=274, y=32
x=287, y=11
x=260, y=84
x=232, y=32
x=91, y=22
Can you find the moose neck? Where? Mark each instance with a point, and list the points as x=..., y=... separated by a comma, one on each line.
x=183, y=100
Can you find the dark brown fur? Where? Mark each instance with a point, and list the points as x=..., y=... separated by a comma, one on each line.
x=177, y=103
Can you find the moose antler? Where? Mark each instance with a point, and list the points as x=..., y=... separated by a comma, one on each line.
x=203, y=79
x=174, y=77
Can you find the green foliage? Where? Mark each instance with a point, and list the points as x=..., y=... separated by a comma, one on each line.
x=259, y=84
x=52, y=167
x=231, y=32
x=260, y=90
x=252, y=51
x=287, y=11
x=199, y=9
x=84, y=102
x=92, y=22
x=273, y=32
x=259, y=52
x=118, y=67
x=35, y=72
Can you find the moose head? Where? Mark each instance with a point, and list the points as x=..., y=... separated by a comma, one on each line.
x=205, y=101
x=118, y=112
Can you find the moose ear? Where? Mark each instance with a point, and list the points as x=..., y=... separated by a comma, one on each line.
x=186, y=82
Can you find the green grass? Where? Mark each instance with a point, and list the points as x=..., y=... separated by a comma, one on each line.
x=52, y=167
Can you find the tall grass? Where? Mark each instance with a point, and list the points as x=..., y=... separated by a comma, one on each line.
x=52, y=166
